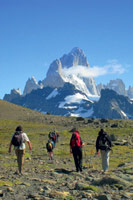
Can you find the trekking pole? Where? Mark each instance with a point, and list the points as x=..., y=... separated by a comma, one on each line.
x=90, y=160
x=84, y=153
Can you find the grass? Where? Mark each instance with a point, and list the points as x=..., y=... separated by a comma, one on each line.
x=5, y=183
x=37, y=126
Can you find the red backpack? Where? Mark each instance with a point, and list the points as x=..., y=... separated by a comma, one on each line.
x=75, y=140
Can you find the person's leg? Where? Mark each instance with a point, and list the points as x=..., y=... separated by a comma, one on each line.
x=75, y=156
x=106, y=163
x=20, y=160
x=22, y=154
x=105, y=160
x=51, y=155
x=80, y=159
x=17, y=155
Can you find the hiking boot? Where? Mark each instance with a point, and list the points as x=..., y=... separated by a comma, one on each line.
x=16, y=173
x=106, y=172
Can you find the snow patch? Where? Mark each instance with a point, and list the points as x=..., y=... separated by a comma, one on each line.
x=124, y=114
x=77, y=82
x=94, y=97
x=77, y=98
x=81, y=113
x=54, y=93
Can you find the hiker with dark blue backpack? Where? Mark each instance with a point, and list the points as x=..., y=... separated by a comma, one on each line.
x=18, y=140
x=103, y=143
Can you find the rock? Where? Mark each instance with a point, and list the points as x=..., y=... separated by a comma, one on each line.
x=86, y=195
x=128, y=195
x=122, y=164
x=79, y=119
x=9, y=189
x=90, y=121
x=125, y=196
x=82, y=186
x=36, y=179
x=114, y=125
x=113, y=137
x=49, y=181
x=112, y=180
x=103, y=120
x=58, y=194
x=34, y=196
x=103, y=197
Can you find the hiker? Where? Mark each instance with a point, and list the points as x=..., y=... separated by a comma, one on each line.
x=50, y=146
x=18, y=140
x=76, y=149
x=103, y=143
x=53, y=136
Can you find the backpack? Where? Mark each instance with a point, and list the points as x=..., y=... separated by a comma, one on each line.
x=103, y=142
x=53, y=136
x=17, y=139
x=75, y=140
x=49, y=145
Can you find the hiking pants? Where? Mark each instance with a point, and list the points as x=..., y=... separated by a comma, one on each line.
x=105, y=159
x=77, y=155
x=20, y=158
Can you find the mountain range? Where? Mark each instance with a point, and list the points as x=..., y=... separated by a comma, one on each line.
x=64, y=92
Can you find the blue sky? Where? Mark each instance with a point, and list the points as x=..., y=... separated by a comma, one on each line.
x=33, y=33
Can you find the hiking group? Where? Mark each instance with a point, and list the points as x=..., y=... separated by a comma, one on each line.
x=103, y=143
x=52, y=139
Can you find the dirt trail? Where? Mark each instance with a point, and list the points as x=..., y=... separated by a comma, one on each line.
x=44, y=180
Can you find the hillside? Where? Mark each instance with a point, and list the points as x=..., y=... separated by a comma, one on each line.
x=14, y=112
x=11, y=111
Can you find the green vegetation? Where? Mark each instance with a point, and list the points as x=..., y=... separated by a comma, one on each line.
x=37, y=126
x=7, y=183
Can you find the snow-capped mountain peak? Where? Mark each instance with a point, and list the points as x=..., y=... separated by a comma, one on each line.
x=68, y=69
x=31, y=84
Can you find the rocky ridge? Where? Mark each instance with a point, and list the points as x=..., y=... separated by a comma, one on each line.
x=114, y=105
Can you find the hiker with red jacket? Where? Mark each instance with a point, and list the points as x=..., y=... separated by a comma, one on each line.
x=76, y=149
x=18, y=140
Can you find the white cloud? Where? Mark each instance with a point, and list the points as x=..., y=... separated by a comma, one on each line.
x=112, y=67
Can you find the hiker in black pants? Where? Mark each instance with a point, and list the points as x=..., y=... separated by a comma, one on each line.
x=76, y=150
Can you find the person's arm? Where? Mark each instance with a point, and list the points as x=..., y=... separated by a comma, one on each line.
x=97, y=145
x=109, y=141
x=10, y=147
x=29, y=144
x=71, y=145
x=82, y=143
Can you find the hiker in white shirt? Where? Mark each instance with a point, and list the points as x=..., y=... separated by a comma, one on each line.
x=18, y=140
